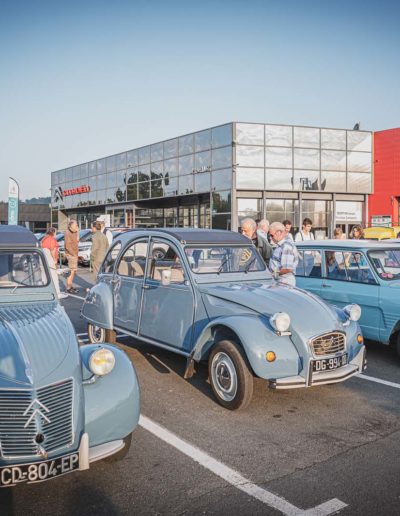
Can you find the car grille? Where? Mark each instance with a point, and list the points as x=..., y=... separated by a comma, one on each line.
x=17, y=437
x=328, y=344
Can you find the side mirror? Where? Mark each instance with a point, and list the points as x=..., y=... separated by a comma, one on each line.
x=165, y=277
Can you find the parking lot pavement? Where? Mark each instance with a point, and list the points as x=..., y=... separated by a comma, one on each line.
x=336, y=445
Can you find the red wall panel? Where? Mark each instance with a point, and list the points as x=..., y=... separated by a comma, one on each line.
x=385, y=199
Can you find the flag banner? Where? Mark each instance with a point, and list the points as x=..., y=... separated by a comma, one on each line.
x=13, y=202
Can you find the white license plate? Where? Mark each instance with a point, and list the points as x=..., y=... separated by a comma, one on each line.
x=38, y=471
x=328, y=364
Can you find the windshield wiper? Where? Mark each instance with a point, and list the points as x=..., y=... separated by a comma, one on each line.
x=246, y=269
x=27, y=278
x=223, y=263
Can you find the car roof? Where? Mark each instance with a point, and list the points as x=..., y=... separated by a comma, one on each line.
x=351, y=244
x=16, y=237
x=191, y=235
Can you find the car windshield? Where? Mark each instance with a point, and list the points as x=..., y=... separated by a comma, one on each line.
x=224, y=259
x=386, y=263
x=22, y=269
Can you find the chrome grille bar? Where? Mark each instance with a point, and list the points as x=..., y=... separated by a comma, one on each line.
x=328, y=343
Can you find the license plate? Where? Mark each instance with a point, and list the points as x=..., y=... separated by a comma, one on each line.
x=39, y=471
x=328, y=364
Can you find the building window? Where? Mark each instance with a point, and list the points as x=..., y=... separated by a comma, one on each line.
x=359, y=162
x=221, y=136
x=144, y=155
x=278, y=157
x=221, y=158
x=306, y=137
x=333, y=139
x=278, y=179
x=250, y=178
x=250, y=134
x=278, y=135
x=186, y=165
x=306, y=159
x=156, y=152
x=171, y=148
x=221, y=179
x=202, y=140
x=359, y=141
x=186, y=144
x=249, y=208
x=249, y=156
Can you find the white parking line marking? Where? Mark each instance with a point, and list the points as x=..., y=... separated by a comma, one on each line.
x=378, y=380
x=234, y=478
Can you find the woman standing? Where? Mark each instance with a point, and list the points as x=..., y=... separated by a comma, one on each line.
x=357, y=233
x=50, y=246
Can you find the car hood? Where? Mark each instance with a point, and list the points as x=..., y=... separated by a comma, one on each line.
x=308, y=313
x=34, y=340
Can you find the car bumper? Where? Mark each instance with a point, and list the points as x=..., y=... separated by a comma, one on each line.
x=356, y=366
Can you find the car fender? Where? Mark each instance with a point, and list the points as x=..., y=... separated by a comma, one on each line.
x=112, y=402
x=256, y=338
x=98, y=305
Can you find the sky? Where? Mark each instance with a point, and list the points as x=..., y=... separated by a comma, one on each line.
x=84, y=79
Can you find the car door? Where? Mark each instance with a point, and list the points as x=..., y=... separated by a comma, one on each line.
x=128, y=285
x=308, y=271
x=168, y=310
x=348, y=278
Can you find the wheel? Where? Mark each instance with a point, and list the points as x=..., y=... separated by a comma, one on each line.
x=230, y=375
x=96, y=334
x=122, y=453
x=398, y=345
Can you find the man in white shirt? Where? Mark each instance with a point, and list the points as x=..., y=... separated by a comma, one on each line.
x=305, y=233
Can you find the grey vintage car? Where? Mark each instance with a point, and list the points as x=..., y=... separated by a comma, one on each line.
x=61, y=406
x=208, y=296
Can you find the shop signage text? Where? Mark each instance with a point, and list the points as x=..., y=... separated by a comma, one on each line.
x=200, y=170
x=76, y=191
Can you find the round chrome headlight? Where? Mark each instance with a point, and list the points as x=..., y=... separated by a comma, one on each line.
x=280, y=321
x=102, y=361
x=353, y=312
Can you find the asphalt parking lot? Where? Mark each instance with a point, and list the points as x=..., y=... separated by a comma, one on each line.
x=310, y=451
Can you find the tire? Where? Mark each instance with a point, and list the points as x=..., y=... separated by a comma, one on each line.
x=122, y=453
x=98, y=335
x=230, y=375
x=398, y=345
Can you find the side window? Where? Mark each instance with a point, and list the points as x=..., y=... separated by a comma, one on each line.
x=335, y=265
x=309, y=264
x=165, y=257
x=133, y=261
x=109, y=261
x=358, y=269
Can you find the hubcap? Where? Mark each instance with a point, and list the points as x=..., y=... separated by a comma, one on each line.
x=224, y=376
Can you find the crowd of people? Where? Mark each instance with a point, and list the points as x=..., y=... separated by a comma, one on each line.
x=276, y=243
x=101, y=241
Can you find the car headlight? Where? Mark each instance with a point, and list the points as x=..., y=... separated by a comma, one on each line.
x=102, y=361
x=280, y=321
x=353, y=312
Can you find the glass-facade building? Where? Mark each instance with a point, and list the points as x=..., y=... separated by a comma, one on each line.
x=215, y=177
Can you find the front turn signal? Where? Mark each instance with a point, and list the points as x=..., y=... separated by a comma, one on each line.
x=270, y=356
x=360, y=339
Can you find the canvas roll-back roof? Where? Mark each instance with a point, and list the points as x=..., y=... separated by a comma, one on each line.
x=193, y=235
x=14, y=237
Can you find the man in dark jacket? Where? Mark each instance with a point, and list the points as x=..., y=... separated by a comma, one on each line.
x=263, y=245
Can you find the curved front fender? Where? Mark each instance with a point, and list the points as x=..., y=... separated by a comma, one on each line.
x=99, y=306
x=112, y=402
x=256, y=338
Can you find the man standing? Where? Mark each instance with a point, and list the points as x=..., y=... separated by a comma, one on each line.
x=249, y=228
x=71, y=240
x=263, y=245
x=105, y=231
x=99, y=247
x=288, y=228
x=305, y=232
x=285, y=257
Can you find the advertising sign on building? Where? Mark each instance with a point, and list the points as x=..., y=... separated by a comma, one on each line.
x=348, y=211
x=13, y=202
x=381, y=221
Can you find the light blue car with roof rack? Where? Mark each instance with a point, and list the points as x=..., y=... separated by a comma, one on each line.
x=365, y=272
x=207, y=295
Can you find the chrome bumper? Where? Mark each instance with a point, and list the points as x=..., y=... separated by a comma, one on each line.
x=356, y=366
x=88, y=455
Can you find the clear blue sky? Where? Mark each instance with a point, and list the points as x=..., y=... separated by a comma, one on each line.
x=80, y=80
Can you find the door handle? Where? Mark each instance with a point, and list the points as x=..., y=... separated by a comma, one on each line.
x=146, y=287
x=326, y=286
